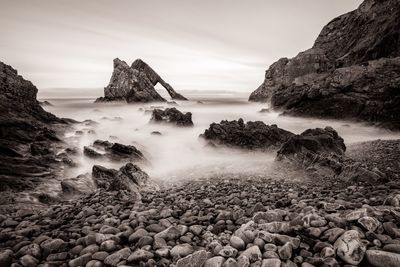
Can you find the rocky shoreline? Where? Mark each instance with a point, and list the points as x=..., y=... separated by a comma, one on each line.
x=240, y=221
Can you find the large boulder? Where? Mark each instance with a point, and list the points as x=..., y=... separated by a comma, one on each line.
x=351, y=72
x=27, y=134
x=135, y=83
x=322, y=151
x=320, y=148
x=173, y=116
x=250, y=135
x=129, y=177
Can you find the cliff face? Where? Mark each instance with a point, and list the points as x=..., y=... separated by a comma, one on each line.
x=351, y=71
x=26, y=133
x=135, y=83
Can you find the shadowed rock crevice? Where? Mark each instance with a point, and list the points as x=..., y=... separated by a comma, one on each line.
x=135, y=83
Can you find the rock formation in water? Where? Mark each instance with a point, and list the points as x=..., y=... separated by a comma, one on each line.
x=26, y=134
x=351, y=72
x=172, y=116
x=113, y=151
x=250, y=135
x=135, y=83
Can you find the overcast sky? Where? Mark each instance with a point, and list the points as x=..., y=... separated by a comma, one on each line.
x=193, y=45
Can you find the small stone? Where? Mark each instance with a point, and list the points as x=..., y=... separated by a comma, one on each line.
x=271, y=263
x=391, y=229
x=356, y=214
x=333, y=234
x=53, y=245
x=379, y=258
x=57, y=256
x=116, y=257
x=108, y=245
x=196, y=229
x=395, y=248
x=137, y=235
x=101, y=255
x=243, y=261
x=29, y=261
x=237, y=242
x=216, y=261
x=140, y=255
x=144, y=241
x=181, y=250
x=285, y=252
x=252, y=253
x=350, y=248
x=231, y=262
x=369, y=223
x=196, y=259
x=228, y=252
x=80, y=261
x=327, y=252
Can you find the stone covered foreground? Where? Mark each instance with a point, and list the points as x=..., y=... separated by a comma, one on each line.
x=236, y=222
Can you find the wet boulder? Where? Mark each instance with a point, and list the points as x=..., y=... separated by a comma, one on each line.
x=128, y=177
x=113, y=151
x=250, y=135
x=124, y=151
x=315, y=148
x=91, y=152
x=172, y=116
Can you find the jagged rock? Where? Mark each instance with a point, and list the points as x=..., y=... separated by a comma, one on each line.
x=129, y=177
x=321, y=147
x=250, y=135
x=45, y=103
x=26, y=134
x=114, y=151
x=121, y=150
x=80, y=184
x=351, y=72
x=135, y=83
x=91, y=153
x=173, y=116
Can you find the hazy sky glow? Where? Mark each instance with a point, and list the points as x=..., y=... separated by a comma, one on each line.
x=194, y=45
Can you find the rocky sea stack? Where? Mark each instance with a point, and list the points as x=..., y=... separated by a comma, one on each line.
x=27, y=134
x=351, y=72
x=250, y=135
x=135, y=83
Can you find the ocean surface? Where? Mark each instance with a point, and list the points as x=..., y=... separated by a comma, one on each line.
x=179, y=153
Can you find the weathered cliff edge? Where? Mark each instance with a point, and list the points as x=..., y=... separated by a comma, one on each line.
x=351, y=72
x=27, y=134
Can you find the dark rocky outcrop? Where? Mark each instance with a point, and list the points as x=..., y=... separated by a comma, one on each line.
x=250, y=135
x=27, y=134
x=114, y=151
x=351, y=72
x=173, y=116
x=129, y=177
x=322, y=151
x=322, y=147
x=135, y=83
